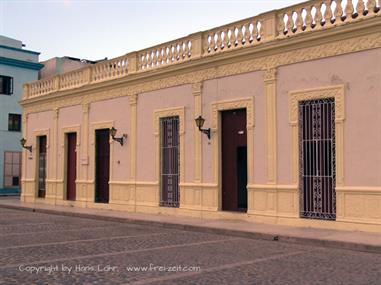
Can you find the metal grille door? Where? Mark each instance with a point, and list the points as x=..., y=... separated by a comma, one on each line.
x=317, y=159
x=169, y=169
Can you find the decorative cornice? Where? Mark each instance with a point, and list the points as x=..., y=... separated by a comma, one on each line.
x=197, y=74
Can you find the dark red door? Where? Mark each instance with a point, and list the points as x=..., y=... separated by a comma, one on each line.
x=71, y=166
x=41, y=166
x=234, y=160
x=102, y=165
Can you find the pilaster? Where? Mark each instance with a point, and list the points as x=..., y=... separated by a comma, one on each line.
x=85, y=145
x=197, y=91
x=54, y=158
x=271, y=125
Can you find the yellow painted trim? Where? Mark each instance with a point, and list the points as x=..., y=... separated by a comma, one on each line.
x=24, y=155
x=294, y=97
x=271, y=124
x=35, y=146
x=361, y=189
x=83, y=171
x=197, y=95
x=263, y=57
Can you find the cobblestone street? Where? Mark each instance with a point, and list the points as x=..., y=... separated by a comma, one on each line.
x=39, y=248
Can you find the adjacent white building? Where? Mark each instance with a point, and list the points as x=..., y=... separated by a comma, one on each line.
x=17, y=66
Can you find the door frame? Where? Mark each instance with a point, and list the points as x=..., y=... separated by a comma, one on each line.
x=294, y=97
x=97, y=126
x=64, y=149
x=217, y=108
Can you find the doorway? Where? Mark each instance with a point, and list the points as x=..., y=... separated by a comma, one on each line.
x=71, y=166
x=234, y=160
x=102, y=165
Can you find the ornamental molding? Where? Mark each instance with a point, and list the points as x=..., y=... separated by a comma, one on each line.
x=133, y=99
x=85, y=108
x=197, y=88
x=337, y=92
x=171, y=112
x=270, y=75
x=195, y=74
x=56, y=112
x=247, y=103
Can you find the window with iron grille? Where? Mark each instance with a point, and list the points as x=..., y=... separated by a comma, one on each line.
x=14, y=122
x=12, y=169
x=6, y=85
x=317, y=159
x=169, y=169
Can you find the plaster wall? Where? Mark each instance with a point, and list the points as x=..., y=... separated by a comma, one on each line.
x=233, y=88
x=37, y=122
x=179, y=96
x=118, y=112
x=68, y=117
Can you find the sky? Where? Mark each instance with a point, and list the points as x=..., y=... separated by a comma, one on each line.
x=97, y=29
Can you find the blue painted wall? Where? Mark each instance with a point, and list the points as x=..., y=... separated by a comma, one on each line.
x=23, y=66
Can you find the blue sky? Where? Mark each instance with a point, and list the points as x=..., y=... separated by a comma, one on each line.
x=99, y=29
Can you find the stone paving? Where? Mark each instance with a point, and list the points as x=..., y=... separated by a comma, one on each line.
x=73, y=250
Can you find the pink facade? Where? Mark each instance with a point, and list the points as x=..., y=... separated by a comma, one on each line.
x=304, y=147
x=361, y=75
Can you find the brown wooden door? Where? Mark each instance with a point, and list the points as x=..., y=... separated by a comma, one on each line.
x=71, y=166
x=41, y=166
x=102, y=165
x=234, y=160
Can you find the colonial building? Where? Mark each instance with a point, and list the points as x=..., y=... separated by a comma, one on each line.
x=288, y=125
x=17, y=66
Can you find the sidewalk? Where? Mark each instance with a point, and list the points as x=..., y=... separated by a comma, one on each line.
x=352, y=240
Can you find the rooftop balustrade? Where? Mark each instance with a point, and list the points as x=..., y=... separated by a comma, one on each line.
x=288, y=22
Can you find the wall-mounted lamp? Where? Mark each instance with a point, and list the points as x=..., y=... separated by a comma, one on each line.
x=23, y=142
x=119, y=140
x=199, y=123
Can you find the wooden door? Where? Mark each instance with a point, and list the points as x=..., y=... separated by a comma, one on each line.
x=71, y=166
x=41, y=180
x=234, y=160
x=102, y=165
